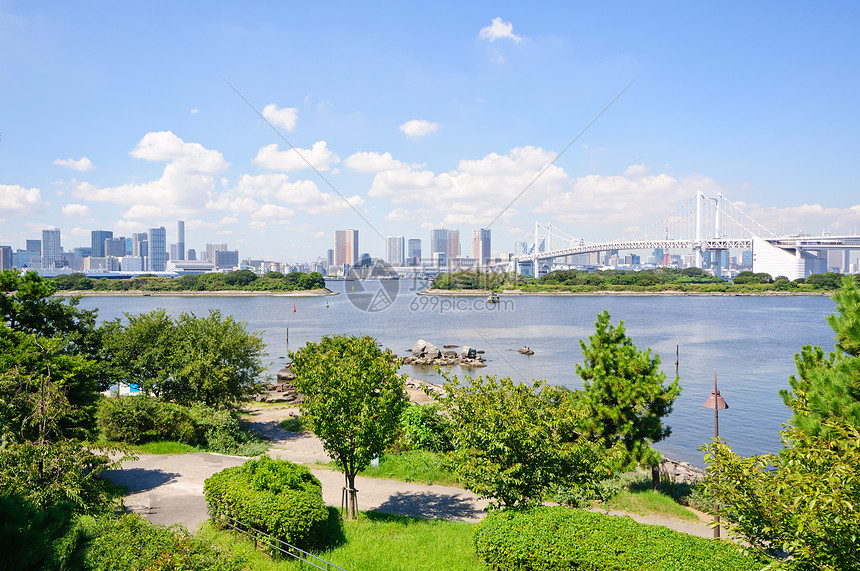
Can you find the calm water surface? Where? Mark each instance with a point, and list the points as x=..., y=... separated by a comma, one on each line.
x=749, y=342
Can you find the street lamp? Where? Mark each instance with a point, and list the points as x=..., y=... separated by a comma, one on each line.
x=716, y=402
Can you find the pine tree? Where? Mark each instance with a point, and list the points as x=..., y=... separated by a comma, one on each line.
x=623, y=392
x=828, y=385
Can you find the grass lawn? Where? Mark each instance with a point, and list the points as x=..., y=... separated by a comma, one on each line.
x=377, y=541
x=649, y=502
x=420, y=466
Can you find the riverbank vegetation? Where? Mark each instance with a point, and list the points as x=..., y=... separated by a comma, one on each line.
x=238, y=280
x=688, y=280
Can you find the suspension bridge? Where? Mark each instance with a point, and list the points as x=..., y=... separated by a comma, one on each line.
x=702, y=224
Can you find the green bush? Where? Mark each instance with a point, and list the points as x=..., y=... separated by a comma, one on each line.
x=129, y=542
x=424, y=429
x=137, y=419
x=555, y=538
x=274, y=496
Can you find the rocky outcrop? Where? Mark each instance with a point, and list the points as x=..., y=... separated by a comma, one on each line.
x=525, y=351
x=427, y=354
x=681, y=472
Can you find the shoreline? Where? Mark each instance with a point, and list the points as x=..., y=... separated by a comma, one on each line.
x=607, y=293
x=220, y=293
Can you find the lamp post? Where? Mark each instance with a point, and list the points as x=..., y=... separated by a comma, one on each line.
x=716, y=402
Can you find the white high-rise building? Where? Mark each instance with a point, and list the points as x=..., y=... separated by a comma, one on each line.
x=52, y=251
x=440, y=243
x=395, y=250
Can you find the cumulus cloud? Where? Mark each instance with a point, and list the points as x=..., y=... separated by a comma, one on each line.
x=260, y=195
x=285, y=117
x=186, y=183
x=477, y=190
x=318, y=155
x=373, y=162
x=76, y=210
x=637, y=170
x=16, y=199
x=82, y=164
x=404, y=215
x=418, y=128
x=499, y=29
x=807, y=218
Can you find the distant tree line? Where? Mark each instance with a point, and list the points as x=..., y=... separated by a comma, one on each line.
x=658, y=279
x=244, y=280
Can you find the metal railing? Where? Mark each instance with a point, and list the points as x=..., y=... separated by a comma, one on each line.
x=278, y=544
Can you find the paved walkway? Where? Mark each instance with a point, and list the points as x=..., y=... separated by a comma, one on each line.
x=169, y=489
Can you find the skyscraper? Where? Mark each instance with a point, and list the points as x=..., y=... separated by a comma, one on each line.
x=440, y=241
x=114, y=247
x=157, y=249
x=5, y=257
x=52, y=252
x=345, y=247
x=180, y=239
x=453, y=244
x=413, y=252
x=211, y=249
x=97, y=242
x=395, y=250
x=481, y=246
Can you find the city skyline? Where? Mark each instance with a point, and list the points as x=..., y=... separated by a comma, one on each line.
x=420, y=117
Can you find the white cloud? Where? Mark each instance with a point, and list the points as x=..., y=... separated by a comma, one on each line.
x=16, y=199
x=637, y=170
x=478, y=189
x=808, y=218
x=373, y=162
x=296, y=159
x=185, y=185
x=285, y=117
x=404, y=215
x=418, y=128
x=82, y=164
x=195, y=111
x=253, y=192
x=76, y=210
x=499, y=29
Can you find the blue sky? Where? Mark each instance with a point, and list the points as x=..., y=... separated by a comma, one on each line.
x=120, y=117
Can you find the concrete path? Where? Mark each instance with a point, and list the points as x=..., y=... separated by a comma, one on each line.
x=169, y=489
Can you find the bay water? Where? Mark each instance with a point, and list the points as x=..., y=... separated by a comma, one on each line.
x=748, y=342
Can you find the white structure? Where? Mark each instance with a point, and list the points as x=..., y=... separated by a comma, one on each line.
x=395, y=250
x=793, y=264
x=131, y=264
x=190, y=266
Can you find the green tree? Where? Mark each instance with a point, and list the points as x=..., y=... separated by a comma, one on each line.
x=517, y=443
x=353, y=399
x=803, y=502
x=828, y=386
x=623, y=395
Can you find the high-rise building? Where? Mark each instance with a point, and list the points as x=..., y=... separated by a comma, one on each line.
x=211, y=249
x=395, y=250
x=52, y=251
x=114, y=247
x=330, y=258
x=226, y=259
x=157, y=249
x=345, y=247
x=440, y=243
x=453, y=244
x=180, y=239
x=97, y=242
x=5, y=257
x=192, y=254
x=481, y=246
x=34, y=246
x=413, y=251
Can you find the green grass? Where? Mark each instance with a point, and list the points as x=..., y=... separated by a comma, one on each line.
x=649, y=502
x=380, y=542
x=418, y=466
x=294, y=424
x=165, y=447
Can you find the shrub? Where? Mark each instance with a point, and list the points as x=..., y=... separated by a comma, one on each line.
x=131, y=542
x=220, y=431
x=424, y=429
x=551, y=538
x=136, y=419
x=274, y=496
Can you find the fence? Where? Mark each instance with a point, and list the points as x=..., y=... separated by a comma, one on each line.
x=278, y=544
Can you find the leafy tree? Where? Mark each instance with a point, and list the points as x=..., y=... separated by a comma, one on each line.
x=623, y=395
x=517, y=443
x=826, y=281
x=240, y=277
x=803, y=502
x=353, y=399
x=828, y=386
x=141, y=351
